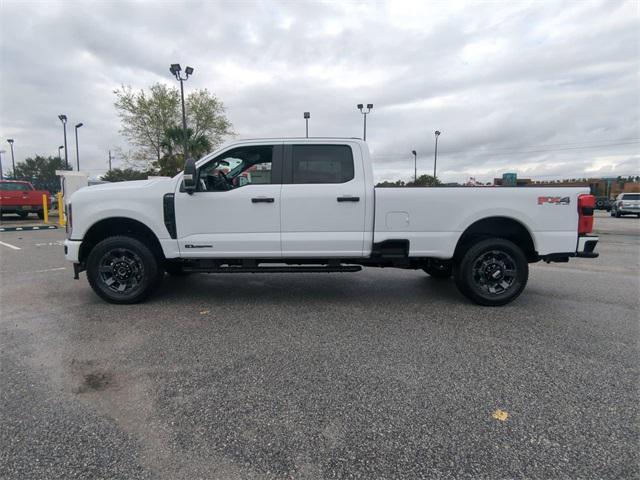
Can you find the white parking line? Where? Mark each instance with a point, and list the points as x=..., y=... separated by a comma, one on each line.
x=10, y=246
x=47, y=270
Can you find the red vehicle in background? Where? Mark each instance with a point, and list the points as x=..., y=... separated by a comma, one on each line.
x=21, y=198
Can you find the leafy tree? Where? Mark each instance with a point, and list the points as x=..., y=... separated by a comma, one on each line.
x=386, y=183
x=147, y=116
x=425, y=181
x=41, y=172
x=124, y=175
x=422, y=181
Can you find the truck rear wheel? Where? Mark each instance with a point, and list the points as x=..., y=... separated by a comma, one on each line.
x=123, y=270
x=492, y=272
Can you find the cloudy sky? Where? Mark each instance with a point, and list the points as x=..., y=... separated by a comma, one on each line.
x=546, y=89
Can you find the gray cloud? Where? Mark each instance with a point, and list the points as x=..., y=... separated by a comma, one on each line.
x=513, y=87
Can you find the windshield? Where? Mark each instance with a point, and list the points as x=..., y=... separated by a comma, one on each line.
x=631, y=196
x=14, y=187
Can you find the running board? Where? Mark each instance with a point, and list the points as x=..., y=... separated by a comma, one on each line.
x=303, y=269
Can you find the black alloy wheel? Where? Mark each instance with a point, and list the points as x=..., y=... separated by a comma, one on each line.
x=492, y=272
x=123, y=269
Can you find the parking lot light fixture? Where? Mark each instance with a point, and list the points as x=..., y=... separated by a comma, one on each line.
x=175, y=70
x=13, y=160
x=364, y=112
x=63, y=119
x=435, y=156
x=78, y=125
x=307, y=115
x=415, y=166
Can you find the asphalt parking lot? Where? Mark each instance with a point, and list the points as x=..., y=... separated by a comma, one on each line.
x=377, y=374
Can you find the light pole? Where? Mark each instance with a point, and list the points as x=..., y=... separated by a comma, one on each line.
x=435, y=156
x=1, y=174
x=61, y=147
x=175, y=70
x=109, y=160
x=415, y=167
x=365, y=113
x=13, y=160
x=63, y=119
x=307, y=115
x=77, y=151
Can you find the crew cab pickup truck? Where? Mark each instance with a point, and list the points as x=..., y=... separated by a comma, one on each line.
x=309, y=205
x=21, y=198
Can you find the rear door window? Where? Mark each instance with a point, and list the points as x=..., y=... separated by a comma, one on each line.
x=322, y=164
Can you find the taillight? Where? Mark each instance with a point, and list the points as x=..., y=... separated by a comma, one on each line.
x=586, y=204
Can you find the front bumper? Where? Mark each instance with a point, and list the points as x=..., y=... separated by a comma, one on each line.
x=72, y=250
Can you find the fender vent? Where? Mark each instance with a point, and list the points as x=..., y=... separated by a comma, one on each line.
x=170, y=214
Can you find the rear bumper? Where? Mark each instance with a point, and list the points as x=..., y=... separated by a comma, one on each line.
x=20, y=208
x=586, y=246
x=584, y=249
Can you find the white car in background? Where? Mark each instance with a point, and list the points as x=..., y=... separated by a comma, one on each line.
x=626, y=204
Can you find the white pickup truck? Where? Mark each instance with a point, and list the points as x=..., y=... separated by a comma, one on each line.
x=309, y=205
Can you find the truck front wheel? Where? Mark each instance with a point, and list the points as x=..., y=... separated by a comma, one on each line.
x=492, y=272
x=123, y=270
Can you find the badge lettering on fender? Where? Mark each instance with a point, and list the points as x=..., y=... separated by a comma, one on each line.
x=189, y=245
x=554, y=200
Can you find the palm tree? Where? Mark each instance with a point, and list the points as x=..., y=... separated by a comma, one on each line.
x=172, y=160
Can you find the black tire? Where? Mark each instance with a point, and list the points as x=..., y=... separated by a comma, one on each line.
x=492, y=272
x=123, y=262
x=41, y=215
x=174, y=269
x=439, y=270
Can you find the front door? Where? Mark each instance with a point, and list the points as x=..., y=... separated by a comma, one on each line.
x=235, y=211
x=323, y=201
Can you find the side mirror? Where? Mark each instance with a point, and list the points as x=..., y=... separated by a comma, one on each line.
x=189, y=178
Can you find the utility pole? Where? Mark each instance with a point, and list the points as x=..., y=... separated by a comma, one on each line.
x=109, y=160
x=1, y=174
x=307, y=115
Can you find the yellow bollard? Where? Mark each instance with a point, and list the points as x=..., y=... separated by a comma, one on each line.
x=61, y=219
x=45, y=207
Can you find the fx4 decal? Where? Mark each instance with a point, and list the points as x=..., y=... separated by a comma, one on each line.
x=554, y=200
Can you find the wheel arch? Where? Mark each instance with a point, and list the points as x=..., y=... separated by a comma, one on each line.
x=112, y=226
x=502, y=227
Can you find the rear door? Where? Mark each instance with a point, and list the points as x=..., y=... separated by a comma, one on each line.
x=323, y=201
